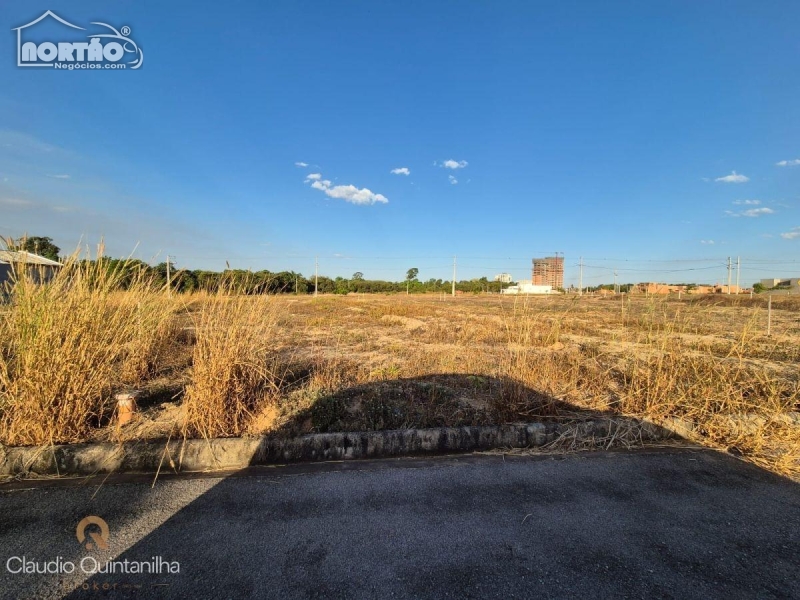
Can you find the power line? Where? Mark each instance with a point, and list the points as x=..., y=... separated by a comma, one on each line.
x=652, y=270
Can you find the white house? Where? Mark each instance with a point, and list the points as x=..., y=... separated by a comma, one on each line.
x=526, y=286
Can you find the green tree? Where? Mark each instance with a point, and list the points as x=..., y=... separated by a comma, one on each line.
x=758, y=287
x=411, y=275
x=358, y=276
x=43, y=246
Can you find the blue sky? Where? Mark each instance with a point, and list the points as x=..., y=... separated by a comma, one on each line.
x=601, y=130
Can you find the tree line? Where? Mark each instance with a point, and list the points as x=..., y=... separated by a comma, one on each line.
x=291, y=282
x=257, y=282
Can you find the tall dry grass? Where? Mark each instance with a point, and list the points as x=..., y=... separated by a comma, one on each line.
x=234, y=371
x=66, y=342
x=729, y=399
x=732, y=401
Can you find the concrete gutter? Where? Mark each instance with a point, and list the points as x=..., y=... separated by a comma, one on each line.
x=236, y=453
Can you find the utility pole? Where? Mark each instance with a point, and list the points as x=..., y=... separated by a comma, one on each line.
x=316, y=274
x=729, y=275
x=454, y=277
x=295, y=285
x=616, y=290
x=738, y=266
x=580, y=279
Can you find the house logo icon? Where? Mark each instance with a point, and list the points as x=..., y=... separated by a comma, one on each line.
x=104, y=50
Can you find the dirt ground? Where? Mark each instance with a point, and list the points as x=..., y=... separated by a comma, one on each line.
x=386, y=362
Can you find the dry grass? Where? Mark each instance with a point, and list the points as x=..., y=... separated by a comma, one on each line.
x=653, y=359
x=288, y=365
x=66, y=344
x=232, y=375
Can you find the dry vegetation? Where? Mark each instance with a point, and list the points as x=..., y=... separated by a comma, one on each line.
x=228, y=364
x=64, y=346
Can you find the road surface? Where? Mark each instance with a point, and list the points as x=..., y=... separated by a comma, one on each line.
x=682, y=523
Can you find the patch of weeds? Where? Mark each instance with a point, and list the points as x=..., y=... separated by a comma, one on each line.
x=383, y=413
x=413, y=405
x=388, y=372
x=328, y=413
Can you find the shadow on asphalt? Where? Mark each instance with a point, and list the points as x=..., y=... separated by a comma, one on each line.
x=668, y=523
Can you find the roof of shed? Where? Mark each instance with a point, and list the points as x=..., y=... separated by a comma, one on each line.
x=10, y=256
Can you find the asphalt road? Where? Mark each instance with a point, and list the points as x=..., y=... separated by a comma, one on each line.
x=668, y=523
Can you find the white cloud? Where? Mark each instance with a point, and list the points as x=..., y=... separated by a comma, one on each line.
x=401, y=171
x=452, y=179
x=15, y=202
x=348, y=193
x=734, y=177
x=314, y=176
x=751, y=212
x=747, y=202
x=757, y=212
x=59, y=176
x=793, y=233
x=300, y=164
x=707, y=242
x=454, y=164
x=788, y=163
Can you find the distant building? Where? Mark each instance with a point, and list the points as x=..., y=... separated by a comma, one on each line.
x=548, y=271
x=41, y=268
x=703, y=289
x=527, y=287
x=503, y=277
x=791, y=285
x=669, y=288
x=659, y=288
x=723, y=289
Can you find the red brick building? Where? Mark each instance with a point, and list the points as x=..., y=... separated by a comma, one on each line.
x=548, y=271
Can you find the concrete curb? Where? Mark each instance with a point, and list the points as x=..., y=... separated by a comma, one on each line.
x=237, y=453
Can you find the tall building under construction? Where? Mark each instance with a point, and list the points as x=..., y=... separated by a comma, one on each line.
x=548, y=271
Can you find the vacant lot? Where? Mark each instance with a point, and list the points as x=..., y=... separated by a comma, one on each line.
x=225, y=364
